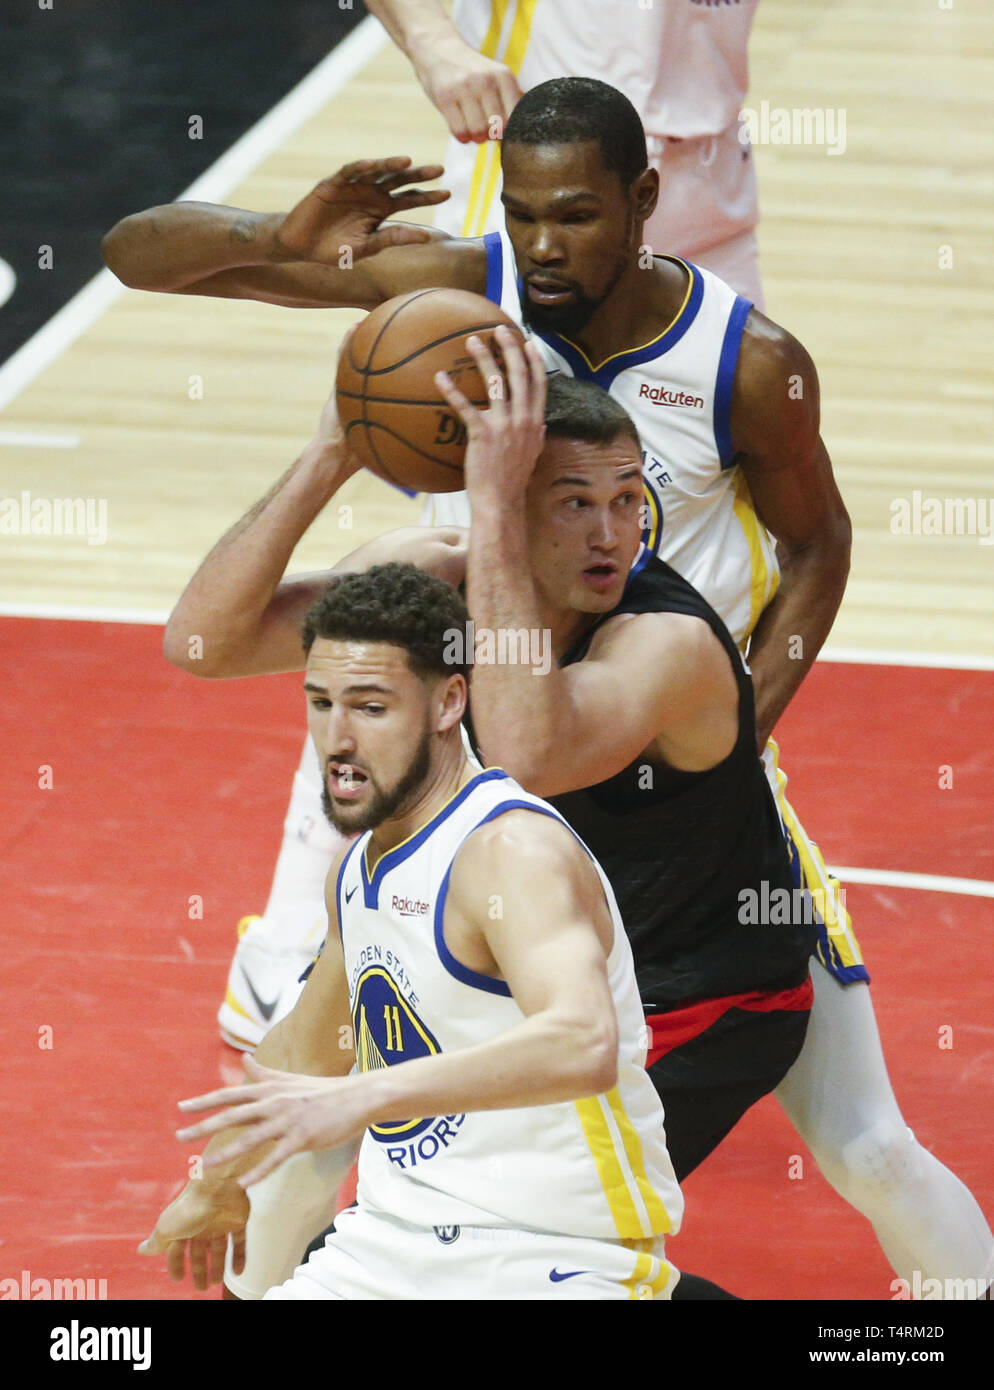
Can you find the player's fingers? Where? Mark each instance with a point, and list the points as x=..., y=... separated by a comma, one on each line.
x=424, y=173
x=219, y=1249
x=539, y=378
x=368, y=170
x=153, y=1244
x=175, y=1262
x=238, y=1252
x=463, y=408
x=198, y=1263
x=509, y=93
x=417, y=198
x=395, y=235
x=493, y=377
x=227, y=1095
x=516, y=370
x=475, y=119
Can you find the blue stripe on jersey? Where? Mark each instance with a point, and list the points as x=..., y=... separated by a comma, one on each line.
x=495, y=267
x=621, y=362
x=397, y=855
x=455, y=968
x=725, y=379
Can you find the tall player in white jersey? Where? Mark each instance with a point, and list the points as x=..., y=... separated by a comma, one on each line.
x=577, y=194
x=513, y=1144
x=682, y=64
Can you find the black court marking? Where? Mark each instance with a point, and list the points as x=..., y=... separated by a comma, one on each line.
x=96, y=113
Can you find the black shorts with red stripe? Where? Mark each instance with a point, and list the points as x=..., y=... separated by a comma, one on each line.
x=712, y=1060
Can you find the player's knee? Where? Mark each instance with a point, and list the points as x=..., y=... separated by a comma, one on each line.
x=874, y=1167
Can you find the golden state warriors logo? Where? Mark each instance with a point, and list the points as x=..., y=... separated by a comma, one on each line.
x=388, y=1031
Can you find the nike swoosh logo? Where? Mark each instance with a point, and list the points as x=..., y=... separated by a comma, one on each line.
x=350, y=896
x=557, y=1278
x=265, y=1009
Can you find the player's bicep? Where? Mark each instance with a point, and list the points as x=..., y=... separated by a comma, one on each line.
x=540, y=906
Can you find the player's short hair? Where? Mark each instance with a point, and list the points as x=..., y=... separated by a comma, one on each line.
x=580, y=410
x=567, y=110
x=397, y=604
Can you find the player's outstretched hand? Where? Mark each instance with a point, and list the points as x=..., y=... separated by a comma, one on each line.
x=505, y=440
x=294, y=1112
x=197, y=1224
x=473, y=93
x=345, y=211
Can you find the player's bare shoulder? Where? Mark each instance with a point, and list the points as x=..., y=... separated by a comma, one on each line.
x=776, y=396
x=521, y=864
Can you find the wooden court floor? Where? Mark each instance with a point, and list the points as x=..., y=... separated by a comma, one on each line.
x=877, y=258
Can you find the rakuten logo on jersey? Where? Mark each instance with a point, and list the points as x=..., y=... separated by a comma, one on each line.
x=662, y=395
x=409, y=907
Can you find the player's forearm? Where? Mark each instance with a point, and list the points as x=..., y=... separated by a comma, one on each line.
x=518, y=706
x=417, y=27
x=793, y=628
x=548, y=1058
x=171, y=247
x=230, y=604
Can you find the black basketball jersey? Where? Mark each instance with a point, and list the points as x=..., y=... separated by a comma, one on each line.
x=698, y=860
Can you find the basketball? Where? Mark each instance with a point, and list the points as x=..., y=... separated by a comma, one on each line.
x=394, y=417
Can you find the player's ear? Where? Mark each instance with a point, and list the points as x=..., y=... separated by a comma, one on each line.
x=452, y=695
x=645, y=190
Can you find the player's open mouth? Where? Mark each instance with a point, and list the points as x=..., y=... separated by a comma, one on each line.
x=549, y=292
x=602, y=575
x=345, y=780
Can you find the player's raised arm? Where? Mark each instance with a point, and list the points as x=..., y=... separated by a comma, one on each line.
x=469, y=90
x=775, y=431
x=238, y=616
x=549, y=944
x=334, y=249
x=556, y=729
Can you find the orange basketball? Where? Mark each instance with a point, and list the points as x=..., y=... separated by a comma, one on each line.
x=394, y=418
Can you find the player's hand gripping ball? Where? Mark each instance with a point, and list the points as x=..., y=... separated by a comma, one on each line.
x=395, y=420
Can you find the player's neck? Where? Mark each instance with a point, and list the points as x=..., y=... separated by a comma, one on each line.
x=450, y=771
x=642, y=305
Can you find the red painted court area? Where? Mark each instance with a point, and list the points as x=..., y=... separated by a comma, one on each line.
x=160, y=827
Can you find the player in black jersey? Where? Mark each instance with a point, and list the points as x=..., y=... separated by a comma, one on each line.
x=674, y=798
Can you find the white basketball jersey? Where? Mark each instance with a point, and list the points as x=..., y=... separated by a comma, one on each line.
x=593, y=1167
x=681, y=63
x=678, y=391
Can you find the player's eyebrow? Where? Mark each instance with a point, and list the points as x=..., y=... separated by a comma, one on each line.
x=558, y=201
x=568, y=480
x=357, y=688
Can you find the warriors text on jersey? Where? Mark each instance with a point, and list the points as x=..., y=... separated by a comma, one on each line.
x=594, y=1167
x=678, y=391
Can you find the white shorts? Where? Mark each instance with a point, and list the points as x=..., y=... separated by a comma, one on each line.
x=373, y=1256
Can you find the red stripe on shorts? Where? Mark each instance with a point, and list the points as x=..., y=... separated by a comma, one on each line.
x=673, y=1029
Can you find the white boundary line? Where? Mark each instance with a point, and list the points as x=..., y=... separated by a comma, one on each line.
x=303, y=101
x=847, y=655
x=951, y=662
x=930, y=883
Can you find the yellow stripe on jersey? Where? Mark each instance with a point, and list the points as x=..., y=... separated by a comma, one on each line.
x=629, y=1222
x=517, y=44
x=760, y=589
x=642, y=1283
x=823, y=886
x=658, y=1215
x=486, y=167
